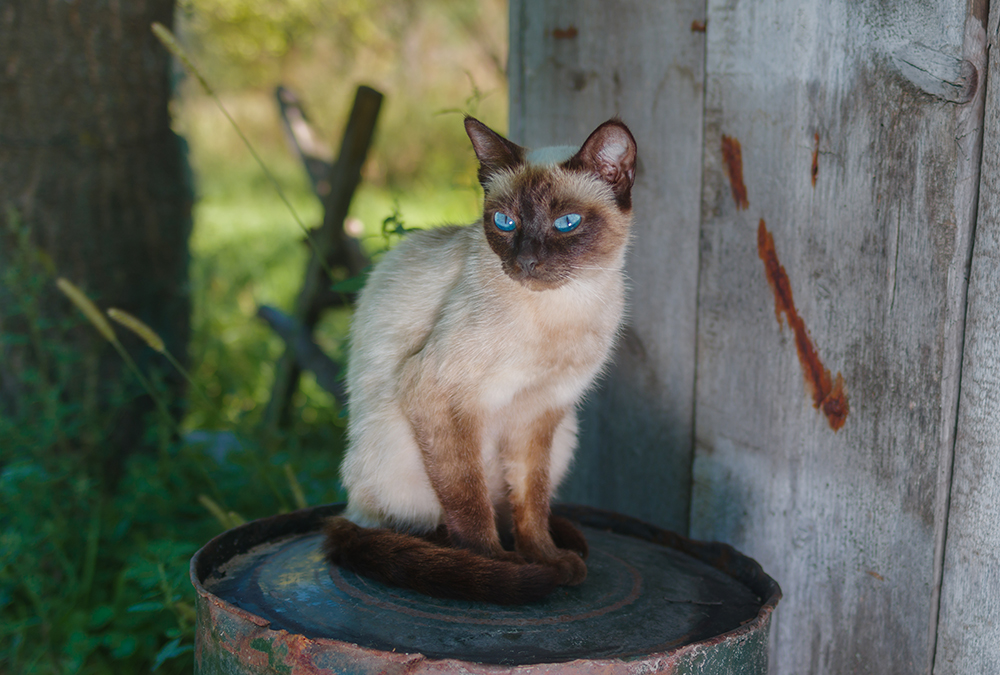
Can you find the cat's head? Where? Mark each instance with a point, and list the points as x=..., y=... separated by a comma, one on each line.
x=551, y=215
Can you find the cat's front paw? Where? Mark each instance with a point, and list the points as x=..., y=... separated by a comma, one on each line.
x=572, y=569
x=567, y=536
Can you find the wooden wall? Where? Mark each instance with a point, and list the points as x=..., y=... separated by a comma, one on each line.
x=572, y=66
x=968, y=639
x=810, y=368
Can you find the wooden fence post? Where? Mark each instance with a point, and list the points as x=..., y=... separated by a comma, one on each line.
x=327, y=241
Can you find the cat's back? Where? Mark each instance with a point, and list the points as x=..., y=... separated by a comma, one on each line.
x=416, y=273
x=405, y=292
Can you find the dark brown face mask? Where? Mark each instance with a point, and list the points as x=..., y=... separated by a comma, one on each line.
x=545, y=222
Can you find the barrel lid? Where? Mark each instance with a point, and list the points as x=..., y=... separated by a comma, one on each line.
x=648, y=591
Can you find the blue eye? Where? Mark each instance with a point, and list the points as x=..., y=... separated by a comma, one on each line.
x=567, y=222
x=504, y=222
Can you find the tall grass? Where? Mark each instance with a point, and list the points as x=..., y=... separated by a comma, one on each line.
x=247, y=251
x=93, y=576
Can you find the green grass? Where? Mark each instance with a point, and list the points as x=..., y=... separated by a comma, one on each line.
x=94, y=580
x=93, y=576
x=247, y=250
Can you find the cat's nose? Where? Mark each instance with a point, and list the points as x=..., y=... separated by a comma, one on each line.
x=527, y=262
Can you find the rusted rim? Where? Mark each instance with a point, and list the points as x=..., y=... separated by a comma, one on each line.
x=722, y=557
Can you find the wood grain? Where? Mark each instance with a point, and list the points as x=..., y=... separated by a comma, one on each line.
x=969, y=625
x=839, y=161
x=574, y=65
x=849, y=521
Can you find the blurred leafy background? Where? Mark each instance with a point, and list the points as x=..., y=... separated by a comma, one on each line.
x=93, y=574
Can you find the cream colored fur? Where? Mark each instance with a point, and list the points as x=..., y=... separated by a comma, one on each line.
x=440, y=308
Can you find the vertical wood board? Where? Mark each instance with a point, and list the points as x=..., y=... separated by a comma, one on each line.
x=574, y=65
x=863, y=97
x=969, y=627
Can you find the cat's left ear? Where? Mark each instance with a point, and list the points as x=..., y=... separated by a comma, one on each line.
x=610, y=153
x=495, y=152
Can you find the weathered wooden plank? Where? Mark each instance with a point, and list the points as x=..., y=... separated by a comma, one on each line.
x=303, y=140
x=969, y=627
x=329, y=243
x=572, y=66
x=858, y=127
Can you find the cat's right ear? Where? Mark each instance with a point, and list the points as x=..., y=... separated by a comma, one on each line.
x=495, y=152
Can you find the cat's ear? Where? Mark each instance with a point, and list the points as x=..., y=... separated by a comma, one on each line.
x=610, y=153
x=495, y=152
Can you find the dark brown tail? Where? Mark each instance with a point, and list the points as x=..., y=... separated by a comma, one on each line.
x=411, y=562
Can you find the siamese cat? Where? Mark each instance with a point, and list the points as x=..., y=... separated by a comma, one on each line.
x=471, y=348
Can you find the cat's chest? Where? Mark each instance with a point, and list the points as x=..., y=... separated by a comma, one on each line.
x=559, y=339
x=548, y=345
x=542, y=353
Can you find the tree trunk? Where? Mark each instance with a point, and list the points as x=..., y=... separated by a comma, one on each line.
x=93, y=181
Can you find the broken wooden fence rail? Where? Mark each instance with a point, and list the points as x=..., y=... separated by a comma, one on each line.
x=334, y=184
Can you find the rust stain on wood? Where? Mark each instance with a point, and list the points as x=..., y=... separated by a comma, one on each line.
x=815, y=164
x=698, y=26
x=732, y=156
x=565, y=33
x=827, y=393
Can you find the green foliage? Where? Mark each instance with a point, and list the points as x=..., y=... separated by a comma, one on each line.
x=94, y=578
x=246, y=41
x=93, y=572
x=433, y=59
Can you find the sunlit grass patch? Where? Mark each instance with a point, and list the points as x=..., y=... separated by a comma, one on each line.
x=247, y=251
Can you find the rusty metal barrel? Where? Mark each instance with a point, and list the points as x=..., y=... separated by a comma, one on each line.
x=653, y=602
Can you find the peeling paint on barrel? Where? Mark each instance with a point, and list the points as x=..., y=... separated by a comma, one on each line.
x=232, y=640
